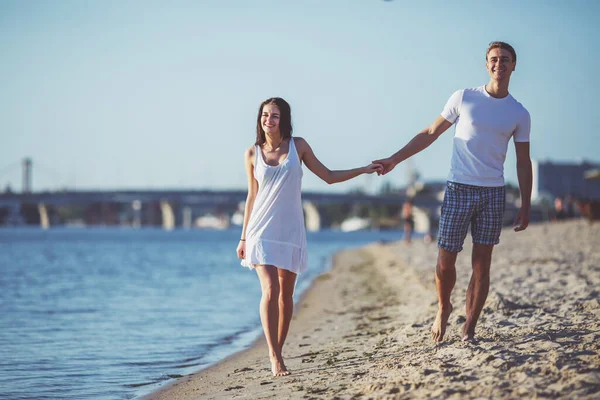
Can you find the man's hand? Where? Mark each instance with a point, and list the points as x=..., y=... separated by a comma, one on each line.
x=387, y=163
x=522, y=220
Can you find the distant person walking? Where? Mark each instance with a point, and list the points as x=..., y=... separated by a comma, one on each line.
x=486, y=118
x=273, y=235
x=409, y=220
x=559, y=210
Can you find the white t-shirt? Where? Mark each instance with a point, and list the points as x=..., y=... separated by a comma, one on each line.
x=484, y=126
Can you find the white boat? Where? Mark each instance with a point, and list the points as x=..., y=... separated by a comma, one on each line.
x=237, y=218
x=210, y=221
x=355, y=224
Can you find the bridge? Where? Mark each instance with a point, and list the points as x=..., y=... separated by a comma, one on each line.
x=176, y=207
x=171, y=208
x=192, y=197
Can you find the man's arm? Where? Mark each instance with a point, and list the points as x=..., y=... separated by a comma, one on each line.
x=420, y=142
x=524, y=175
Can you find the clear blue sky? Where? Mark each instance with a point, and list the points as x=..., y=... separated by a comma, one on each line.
x=154, y=94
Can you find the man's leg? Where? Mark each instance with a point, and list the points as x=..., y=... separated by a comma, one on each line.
x=486, y=230
x=455, y=218
x=445, y=278
x=457, y=209
x=479, y=287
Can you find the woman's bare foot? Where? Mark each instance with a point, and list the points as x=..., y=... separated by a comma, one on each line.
x=438, y=329
x=278, y=367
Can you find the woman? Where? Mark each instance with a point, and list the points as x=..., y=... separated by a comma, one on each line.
x=273, y=236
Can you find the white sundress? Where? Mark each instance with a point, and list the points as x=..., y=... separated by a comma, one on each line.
x=275, y=234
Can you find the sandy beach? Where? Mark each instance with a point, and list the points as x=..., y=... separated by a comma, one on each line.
x=363, y=329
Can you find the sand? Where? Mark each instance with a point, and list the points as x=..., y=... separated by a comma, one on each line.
x=363, y=329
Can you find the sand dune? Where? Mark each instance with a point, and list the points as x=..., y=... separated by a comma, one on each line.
x=362, y=330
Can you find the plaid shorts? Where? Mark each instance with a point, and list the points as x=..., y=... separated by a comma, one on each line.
x=481, y=208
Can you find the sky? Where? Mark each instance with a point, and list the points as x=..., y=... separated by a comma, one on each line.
x=164, y=95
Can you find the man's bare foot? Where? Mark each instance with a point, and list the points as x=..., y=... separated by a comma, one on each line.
x=278, y=367
x=468, y=334
x=469, y=339
x=438, y=328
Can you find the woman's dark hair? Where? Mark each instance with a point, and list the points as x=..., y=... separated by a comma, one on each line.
x=285, y=119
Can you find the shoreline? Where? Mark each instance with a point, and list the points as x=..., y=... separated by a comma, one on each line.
x=259, y=341
x=362, y=327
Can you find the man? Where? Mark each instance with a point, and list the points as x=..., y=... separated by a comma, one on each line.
x=486, y=118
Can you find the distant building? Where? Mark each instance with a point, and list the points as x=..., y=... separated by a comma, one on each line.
x=553, y=179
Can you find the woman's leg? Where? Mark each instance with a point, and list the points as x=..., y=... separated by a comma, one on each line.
x=269, y=315
x=287, y=282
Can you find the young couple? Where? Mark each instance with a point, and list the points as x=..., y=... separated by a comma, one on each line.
x=273, y=237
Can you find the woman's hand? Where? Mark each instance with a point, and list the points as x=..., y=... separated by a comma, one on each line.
x=373, y=167
x=241, y=249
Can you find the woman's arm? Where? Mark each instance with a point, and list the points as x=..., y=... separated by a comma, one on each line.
x=307, y=155
x=249, y=158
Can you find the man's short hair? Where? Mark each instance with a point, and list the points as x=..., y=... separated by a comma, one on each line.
x=501, y=45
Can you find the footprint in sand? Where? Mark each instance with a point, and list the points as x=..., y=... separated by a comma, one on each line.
x=235, y=371
x=232, y=388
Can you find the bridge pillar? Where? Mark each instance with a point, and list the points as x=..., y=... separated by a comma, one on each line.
x=137, y=213
x=187, y=217
x=312, y=219
x=27, y=166
x=168, y=216
x=44, y=219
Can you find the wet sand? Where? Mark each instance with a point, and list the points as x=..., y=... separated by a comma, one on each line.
x=363, y=329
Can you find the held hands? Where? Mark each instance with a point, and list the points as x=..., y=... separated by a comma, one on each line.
x=373, y=167
x=387, y=164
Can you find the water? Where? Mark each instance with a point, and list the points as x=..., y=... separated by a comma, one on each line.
x=114, y=313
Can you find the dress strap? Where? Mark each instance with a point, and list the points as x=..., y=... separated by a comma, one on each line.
x=293, y=149
x=257, y=154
